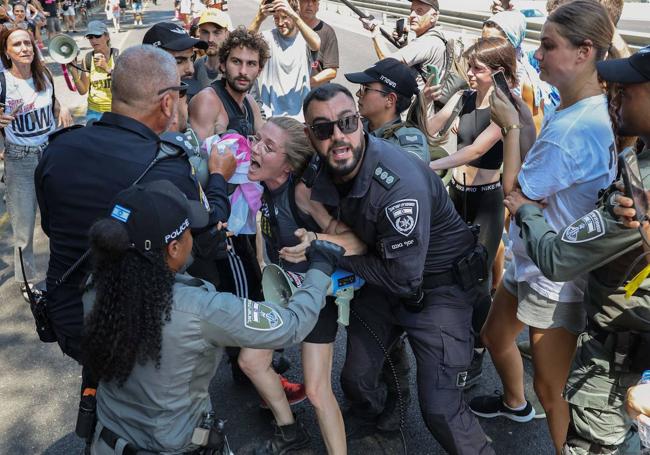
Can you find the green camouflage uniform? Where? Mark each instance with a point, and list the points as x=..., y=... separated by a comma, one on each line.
x=610, y=354
x=407, y=138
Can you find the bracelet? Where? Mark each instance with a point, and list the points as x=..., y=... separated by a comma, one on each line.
x=505, y=130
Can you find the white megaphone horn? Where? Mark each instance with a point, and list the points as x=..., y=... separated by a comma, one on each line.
x=279, y=285
x=63, y=49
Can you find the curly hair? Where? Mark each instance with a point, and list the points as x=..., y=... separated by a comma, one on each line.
x=241, y=37
x=133, y=302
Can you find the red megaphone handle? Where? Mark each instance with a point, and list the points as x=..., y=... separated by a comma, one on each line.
x=68, y=81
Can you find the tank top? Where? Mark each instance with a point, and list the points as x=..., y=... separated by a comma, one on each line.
x=472, y=123
x=241, y=121
x=280, y=219
x=99, y=92
x=34, y=121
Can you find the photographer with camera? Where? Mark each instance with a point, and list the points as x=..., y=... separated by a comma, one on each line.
x=613, y=352
x=149, y=326
x=429, y=46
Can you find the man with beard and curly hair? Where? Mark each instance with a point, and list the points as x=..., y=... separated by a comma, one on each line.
x=226, y=104
x=151, y=327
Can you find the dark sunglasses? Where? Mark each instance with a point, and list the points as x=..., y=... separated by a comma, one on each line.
x=181, y=89
x=324, y=130
x=94, y=36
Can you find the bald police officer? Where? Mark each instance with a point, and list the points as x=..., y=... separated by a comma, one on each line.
x=385, y=91
x=613, y=352
x=422, y=269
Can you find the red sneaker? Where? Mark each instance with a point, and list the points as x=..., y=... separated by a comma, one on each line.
x=295, y=392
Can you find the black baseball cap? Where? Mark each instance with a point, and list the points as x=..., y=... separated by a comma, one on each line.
x=156, y=213
x=390, y=72
x=632, y=70
x=172, y=37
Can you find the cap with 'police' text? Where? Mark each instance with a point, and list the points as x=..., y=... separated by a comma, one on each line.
x=390, y=72
x=156, y=213
x=171, y=37
x=632, y=70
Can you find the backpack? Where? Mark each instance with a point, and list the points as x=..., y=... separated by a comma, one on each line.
x=455, y=72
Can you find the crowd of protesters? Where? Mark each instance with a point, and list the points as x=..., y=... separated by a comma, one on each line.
x=239, y=155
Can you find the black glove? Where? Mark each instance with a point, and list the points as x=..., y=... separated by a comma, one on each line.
x=324, y=256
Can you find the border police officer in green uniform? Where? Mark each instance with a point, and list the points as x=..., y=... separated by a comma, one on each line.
x=613, y=352
x=155, y=335
x=386, y=91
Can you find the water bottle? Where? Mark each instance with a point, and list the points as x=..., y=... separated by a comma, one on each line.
x=644, y=428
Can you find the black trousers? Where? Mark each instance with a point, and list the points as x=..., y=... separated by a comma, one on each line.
x=441, y=338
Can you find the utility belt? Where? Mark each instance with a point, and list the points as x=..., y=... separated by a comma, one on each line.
x=467, y=272
x=209, y=435
x=629, y=350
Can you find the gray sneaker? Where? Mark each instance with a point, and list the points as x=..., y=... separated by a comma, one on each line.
x=287, y=438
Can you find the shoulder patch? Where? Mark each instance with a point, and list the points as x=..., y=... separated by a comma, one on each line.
x=403, y=215
x=177, y=141
x=585, y=229
x=259, y=316
x=385, y=176
x=410, y=139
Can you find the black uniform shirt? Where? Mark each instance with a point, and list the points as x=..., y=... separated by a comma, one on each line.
x=401, y=210
x=82, y=170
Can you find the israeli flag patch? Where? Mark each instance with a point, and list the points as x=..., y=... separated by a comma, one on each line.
x=120, y=213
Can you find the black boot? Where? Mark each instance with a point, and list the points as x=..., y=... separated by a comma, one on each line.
x=287, y=438
x=391, y=416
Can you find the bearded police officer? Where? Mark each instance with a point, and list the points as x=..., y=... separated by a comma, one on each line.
x=386, y=91
x=613, y=352
x=422, y=270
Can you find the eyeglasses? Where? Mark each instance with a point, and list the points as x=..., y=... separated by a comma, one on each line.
x=324, y=130
x=15, y=26
x=255, y=143
x=364, y=88
x=181, y=89
x=94, y=36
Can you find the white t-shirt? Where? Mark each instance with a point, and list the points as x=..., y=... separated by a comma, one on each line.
x=35, y=120
x=284, y=81
x=573, y=158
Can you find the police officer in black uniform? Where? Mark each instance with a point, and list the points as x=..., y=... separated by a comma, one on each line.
x=84, y=168
x=422, y=271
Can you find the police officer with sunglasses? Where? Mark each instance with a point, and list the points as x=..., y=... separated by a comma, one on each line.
x=423, y=270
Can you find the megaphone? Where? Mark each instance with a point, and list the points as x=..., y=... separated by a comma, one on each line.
x=63, y=49
x=279, y=285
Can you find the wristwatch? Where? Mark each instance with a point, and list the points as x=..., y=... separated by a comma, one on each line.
x=505, y=130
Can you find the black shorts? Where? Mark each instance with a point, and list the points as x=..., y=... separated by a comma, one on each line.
x=325, y=330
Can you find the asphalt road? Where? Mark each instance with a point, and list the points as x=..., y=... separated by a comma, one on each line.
x=39, y=386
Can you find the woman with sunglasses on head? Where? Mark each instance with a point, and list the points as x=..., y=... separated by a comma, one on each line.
x=94, y=78
x=476, y=187
x=281, y=152
x=154, y=335
x=571, y=160
x=30, y=112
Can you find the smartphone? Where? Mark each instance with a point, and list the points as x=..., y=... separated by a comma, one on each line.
x=15, y=110
x=433, y=73
x=268, y=2
x=399, y=26
x=633, y=182
x=499, y=80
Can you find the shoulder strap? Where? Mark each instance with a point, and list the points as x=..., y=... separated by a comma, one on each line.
x=457, y=108
x=88, y=60
x=3, y=94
